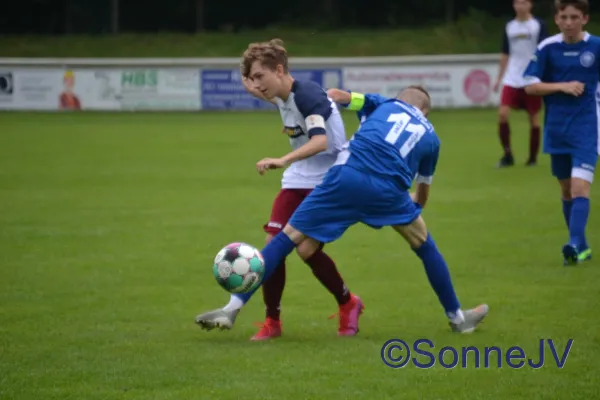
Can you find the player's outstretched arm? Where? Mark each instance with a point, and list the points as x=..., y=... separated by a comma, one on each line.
x=356, y=101
x=545, y=88
x=254, y=92
x=352, y=101
x=341, y=97
x=315, y=145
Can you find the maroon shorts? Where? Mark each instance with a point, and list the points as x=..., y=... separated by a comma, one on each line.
x=517, y=99
x=286, y=202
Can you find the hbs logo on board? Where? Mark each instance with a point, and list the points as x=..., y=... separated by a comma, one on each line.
x=139, y=80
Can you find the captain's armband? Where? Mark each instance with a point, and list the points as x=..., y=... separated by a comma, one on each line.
x=357, y=101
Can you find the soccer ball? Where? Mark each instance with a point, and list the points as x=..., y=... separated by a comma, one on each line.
x=239, y=268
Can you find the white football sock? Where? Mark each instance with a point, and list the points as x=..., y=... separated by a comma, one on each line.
x=235, y=303
x=457, y=317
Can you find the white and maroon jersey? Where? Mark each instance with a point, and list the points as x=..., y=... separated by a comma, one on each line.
x=308, y=111
x=520, y=43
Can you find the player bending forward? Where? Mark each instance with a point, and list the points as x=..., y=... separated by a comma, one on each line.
x=364, y=104
x=370, y=184
x=521, y=36
x=316, y=133
x=565, y=70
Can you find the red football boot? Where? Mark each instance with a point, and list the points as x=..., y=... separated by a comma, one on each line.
x=270, y=329
x=349, y=314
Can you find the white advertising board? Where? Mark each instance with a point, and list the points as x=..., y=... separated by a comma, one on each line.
x=454, y=81
x=100, y=89
x=449, y=86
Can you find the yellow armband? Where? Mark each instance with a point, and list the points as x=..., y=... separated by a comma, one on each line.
x=357, y=101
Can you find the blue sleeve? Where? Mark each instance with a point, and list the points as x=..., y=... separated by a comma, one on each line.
x=372, y=101
x=505, y=44
x=311, y=99
x=537, y=68
x=428, y=165
x=364, y=104
x=543, y=31
x=598, y=58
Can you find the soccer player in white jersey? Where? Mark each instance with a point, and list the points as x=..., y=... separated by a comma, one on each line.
x=316, y=133
x=521, y=37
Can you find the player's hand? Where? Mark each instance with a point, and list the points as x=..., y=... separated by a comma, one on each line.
x=573, y=88
x=248, y=86
x=269, y=163
x=496, y=86
x=246, y=83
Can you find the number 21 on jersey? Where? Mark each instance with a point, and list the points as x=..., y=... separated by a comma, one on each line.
x=402, y=125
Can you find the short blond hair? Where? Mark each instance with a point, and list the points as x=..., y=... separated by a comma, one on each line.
x=416, y=95
x=270, y=54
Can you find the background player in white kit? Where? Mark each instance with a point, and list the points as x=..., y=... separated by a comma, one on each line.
x=316, y=133
x=521, y=37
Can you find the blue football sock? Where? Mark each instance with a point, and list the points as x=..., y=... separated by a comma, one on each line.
x=578, y=222
x=567, y=204
x=438, y=275
x=273, y=253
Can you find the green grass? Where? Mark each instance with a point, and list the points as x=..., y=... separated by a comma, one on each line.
x=301, y=43
x=474, y=33
x=109, y=223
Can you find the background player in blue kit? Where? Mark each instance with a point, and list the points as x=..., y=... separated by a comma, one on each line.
x=565, y=70
x=370, y=184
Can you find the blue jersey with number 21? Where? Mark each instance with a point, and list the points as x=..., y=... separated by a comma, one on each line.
x=397, y=142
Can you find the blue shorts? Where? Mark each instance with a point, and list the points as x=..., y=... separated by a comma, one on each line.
x=576, y=165
x=348, y=196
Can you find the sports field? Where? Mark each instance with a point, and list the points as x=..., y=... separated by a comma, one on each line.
x=109, y=224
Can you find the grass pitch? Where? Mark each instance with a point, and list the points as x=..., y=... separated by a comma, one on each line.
x=109, y=223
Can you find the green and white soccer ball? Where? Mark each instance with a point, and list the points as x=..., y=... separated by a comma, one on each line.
x=239, y=268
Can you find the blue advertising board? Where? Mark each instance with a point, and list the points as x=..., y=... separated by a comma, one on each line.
x=222, y=89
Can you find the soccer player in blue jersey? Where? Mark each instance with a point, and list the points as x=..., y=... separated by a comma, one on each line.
x=566, y=71
x=364, y=105
x=370, y=184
